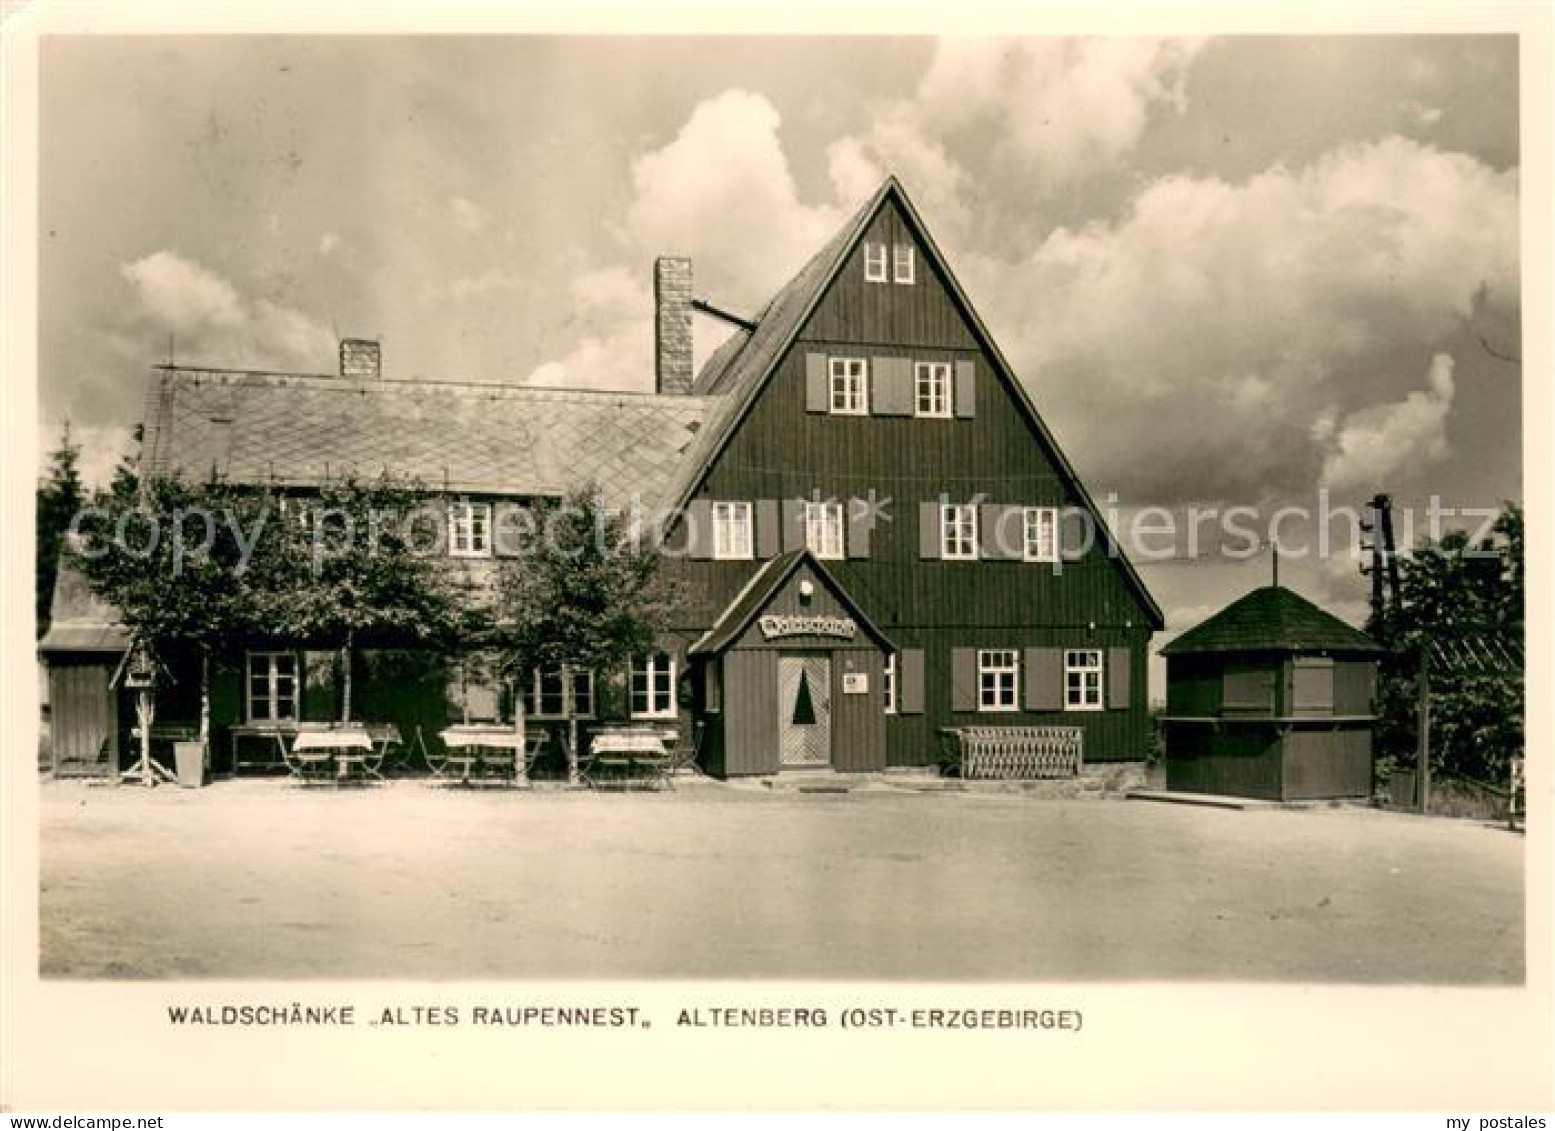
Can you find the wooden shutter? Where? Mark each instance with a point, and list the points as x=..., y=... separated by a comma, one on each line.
x=861, y=519
x=963, y=679
x=966, y=389
x=1119, y=666
x=1001, y=528
x=1044, y=672
x=893, y=393
x=928, y=530
x=768, y=535
x=817, y=394
x=793, y=525
x=909, y=674
x=1074, y=530
x=698, y=521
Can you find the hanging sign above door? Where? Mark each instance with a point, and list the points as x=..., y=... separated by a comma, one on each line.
x=776, y=625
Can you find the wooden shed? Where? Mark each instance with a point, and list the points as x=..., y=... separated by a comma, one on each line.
x=1272, y=697
x=83, y=647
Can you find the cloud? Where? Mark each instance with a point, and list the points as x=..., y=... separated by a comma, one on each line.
x=722, y=192
x=1200, y=340
x=181, y=294
x=1058, y=108
x=1375, y=444
x=613, y=330
x=467, y=215
x=329, y=243
x=214, y=323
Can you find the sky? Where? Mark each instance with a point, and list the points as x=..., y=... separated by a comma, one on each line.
x=1230, y=271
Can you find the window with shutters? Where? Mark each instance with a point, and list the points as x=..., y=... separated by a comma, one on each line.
x=653, y=686
x=272, y=687
x=469, y=530
x=732, y=537
x=848, y=386
x=1082, y=679
x=903, y=263
x=874, y=263
x=888, y=684
x=1041, y=528
x=998, y=675
x=958, y=531
x=823, y=529
x=931, y=388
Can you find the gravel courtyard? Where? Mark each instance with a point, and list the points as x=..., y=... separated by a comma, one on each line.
x=256, y=879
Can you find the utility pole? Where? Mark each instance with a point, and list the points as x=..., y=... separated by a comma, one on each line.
x=1423, y=747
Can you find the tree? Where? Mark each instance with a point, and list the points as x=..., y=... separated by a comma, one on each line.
x=59, y=497
x=180, y=563
x=585, y=596
x=350, y=573
x=1449, y=590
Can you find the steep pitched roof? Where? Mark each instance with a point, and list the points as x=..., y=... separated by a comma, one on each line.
x=1272, y=619
x=747, y=361
x=765, y=582
x=297, y=430
x=80, y=621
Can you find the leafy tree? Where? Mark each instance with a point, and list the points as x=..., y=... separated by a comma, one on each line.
x=1449, y=590
x=351, y=573
x=59, y=497
x=584, y=595
x=179, y=561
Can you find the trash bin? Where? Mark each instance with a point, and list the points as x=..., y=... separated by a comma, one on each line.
x=190, y=760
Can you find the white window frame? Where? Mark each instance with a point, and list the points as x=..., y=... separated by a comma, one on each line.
x=888, y=683
x=1086, y=693
x=958, y=532
x=733, y=538
x=824, y=529
x=847, y=386
x=1039, y=534
x=469, y=529
x=272, y=694
x=657, y=672
x=998, y=680
x=875, y=262
x=933, y=376
x=904, y=263
x=569, y=696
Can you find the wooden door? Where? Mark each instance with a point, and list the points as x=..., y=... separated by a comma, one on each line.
x=804, y=710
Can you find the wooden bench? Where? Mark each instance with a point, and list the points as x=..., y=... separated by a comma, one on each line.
x=1016, y=752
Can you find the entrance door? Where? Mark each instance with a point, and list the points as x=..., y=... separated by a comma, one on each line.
x=804, y=709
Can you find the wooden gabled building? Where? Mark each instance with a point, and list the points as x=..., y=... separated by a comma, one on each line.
x=883, y=536
x=1272, y=697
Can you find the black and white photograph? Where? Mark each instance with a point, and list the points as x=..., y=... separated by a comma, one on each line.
x=996, y=514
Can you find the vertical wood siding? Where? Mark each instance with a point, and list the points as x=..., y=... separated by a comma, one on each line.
x=83, y=716
x=1239, y=761
x=750, y=714
x=1327, y=763
x=784, y=451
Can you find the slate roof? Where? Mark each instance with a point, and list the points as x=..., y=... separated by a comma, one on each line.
x=1272, y=619
x=299, y=430
x=765, y=582
x=79, y=620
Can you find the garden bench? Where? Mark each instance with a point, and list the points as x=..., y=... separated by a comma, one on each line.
x=1016, y=751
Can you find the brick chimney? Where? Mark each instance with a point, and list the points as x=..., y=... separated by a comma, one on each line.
x=361, y=359
x=672, y=325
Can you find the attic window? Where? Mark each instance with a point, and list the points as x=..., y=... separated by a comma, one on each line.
x=875, y=263
x=903, y=261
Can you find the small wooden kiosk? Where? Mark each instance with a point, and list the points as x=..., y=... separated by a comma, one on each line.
x=1271, y=698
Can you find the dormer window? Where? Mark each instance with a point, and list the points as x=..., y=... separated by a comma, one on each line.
x=874, y=263
x=903, y=263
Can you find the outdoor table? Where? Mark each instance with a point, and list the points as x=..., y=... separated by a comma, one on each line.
x=473, y=739
x=640, y=753
x=336, y=744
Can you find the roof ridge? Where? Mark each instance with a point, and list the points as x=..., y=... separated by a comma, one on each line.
x=330, y=383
